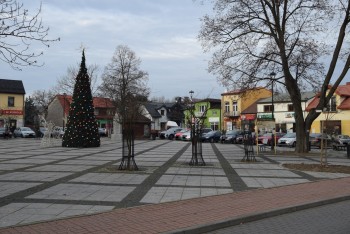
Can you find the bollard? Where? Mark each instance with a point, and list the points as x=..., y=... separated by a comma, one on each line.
x=348, y=150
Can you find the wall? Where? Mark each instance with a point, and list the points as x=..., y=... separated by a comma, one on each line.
x=55, y=113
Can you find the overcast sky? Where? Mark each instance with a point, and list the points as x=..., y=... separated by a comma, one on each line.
x=163, y=33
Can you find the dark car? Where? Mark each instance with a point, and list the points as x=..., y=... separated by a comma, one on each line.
x=5, y=132
x=315, y=139
x=231, y=136
x=212, y=136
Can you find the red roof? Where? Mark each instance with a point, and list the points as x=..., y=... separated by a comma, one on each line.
x=98, y=102
x=342, y=90
x=345, y=105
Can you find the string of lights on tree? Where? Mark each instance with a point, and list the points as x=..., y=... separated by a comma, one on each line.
x=81, y=129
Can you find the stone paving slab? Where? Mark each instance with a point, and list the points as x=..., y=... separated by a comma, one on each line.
x=73, y=177
x=84, y=192
x=200, y=215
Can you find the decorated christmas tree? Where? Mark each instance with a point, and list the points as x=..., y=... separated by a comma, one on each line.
x=81, y=129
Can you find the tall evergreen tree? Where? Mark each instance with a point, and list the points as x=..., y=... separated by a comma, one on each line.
x=82, y=130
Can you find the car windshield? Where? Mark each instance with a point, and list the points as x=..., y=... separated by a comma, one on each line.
x=290, y=135
x=26, y=129
x=232, y=132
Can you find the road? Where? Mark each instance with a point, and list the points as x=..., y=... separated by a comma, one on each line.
x=333, y=218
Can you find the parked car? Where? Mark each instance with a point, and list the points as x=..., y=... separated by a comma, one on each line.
x=212, y=136
x=205, y=130
x=23, y=132
x=288, y=140
x=5, y=132
x=42, y=131
x=316, y=138
x=170, y=133
x=102, y=131
x=341, y=139
x=58, y=132
x=186, y=136
x=231, y=136
x=340, y=142
x=178, y=135
x=266, y=138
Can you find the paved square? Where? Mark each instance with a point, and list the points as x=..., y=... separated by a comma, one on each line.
x=43, y=183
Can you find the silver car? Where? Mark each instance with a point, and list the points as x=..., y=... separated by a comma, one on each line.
x=288, y=140
x=23, y=132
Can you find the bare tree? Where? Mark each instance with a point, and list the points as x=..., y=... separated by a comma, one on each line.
x=42, y=99
x=18, y=31
x=290, y=39
x=65, y=84
x=126, y=84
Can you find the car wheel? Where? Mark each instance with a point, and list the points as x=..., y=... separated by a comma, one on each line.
x=212, y=140
x=171, y=137
x=234, y=141
x=294, y=144
x=22, y=135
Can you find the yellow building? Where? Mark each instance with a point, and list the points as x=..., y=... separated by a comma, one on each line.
x=11, y=103
x=335, y=119
x=235, y=103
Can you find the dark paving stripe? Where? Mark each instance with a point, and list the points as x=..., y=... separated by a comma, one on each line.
x=235, y=180
x=134, y=198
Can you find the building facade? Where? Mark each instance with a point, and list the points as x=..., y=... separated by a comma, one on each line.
x=234, y=103
x=283, y=113
x=12, y=96
x=161, y=113
x=335, y=118
x=58, y=111
x=209, y=110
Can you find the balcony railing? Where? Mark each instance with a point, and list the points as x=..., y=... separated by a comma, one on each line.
x=232, y=113
x=199, y=114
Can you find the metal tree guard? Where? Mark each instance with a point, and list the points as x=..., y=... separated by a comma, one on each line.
x=128, y=151
x=197, y=156
x=248, y=142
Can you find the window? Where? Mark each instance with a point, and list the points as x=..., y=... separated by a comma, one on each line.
x=332, y=105
x=96, y=112
x=162, y=112
x=290, y=107
x=214, y=126
x=214, y=113
x=234, y=106
x=227, y=107
x=202, y=108
x=11, y=101
x=268, y=108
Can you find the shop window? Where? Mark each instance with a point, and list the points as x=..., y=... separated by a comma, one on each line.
x=290, y=107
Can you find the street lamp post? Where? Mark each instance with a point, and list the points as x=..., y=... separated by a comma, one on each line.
x=273, y=75
x=64, y=109
x=191, y=114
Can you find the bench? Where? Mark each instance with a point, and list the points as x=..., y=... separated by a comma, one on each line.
x=339, y=147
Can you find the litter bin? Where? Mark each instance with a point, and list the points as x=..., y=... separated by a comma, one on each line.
x=348, y=150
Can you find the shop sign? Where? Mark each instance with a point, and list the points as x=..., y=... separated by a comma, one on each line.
x=248, y=117
x=265, y=116
x=11, y=112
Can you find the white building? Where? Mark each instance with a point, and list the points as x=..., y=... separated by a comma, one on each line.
x=283, y=111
